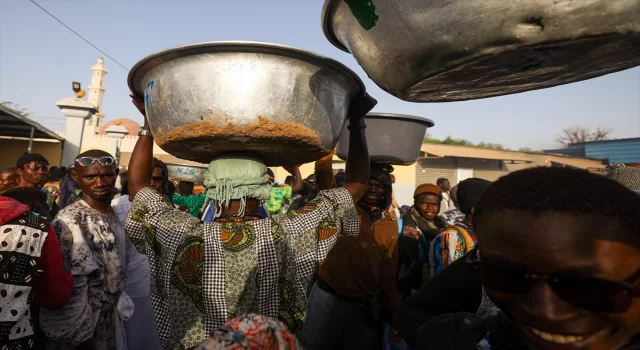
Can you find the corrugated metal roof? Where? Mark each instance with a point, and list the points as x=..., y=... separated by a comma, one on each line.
x=615, y=151
x=582, y=163
x=439, y=150
x=604, y=141
x=13, y=124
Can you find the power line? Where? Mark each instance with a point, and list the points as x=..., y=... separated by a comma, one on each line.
x=80, y=36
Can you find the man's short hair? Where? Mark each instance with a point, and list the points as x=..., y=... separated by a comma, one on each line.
x=441, y=181
x=30, y=157
x=469, y=193
x=564, y=190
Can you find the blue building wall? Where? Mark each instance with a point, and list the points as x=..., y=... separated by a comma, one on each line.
x=616, y=151
x=572, y=151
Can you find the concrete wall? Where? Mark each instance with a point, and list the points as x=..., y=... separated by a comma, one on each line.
x=12, y=149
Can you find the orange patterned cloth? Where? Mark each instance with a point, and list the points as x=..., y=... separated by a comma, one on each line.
x=249, y=332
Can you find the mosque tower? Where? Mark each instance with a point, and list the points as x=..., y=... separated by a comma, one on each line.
x=96, y=92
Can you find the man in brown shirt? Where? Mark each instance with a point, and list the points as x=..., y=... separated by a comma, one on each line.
x=343, y=311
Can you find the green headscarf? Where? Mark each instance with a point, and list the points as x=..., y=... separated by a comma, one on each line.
x=232, y=177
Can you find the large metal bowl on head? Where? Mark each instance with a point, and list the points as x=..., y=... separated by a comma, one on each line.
x=284, y=104
x=392, y=138
x=438, y=51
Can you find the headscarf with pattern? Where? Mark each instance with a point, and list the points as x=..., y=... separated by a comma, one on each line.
x=251, y=331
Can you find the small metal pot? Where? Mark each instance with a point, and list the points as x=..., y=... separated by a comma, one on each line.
x=284, y=104
x=438, y=51
x=392, y=138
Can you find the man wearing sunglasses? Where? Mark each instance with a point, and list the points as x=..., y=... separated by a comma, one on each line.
x=93, y=243
x=561, y=263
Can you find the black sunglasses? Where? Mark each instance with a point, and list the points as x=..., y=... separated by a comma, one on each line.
x=593, y=294
x=88, y=161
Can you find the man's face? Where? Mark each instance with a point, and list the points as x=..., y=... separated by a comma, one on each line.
x=549, y=314
x=33, y=173
x=311, y=183
x=8, y=180
x=96, y=181
x=428, y=205
x=374, y=194
x=446, y=186
x=157, y=180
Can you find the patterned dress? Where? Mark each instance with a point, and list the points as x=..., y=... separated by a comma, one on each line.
x=91, y=243
x=251, y=331
x=451, y=244
x=21, y=246
x=207, y=273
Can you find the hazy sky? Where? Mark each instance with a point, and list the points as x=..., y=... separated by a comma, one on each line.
x=39, y=59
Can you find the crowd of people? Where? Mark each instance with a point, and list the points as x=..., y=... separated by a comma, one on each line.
x=543, y=258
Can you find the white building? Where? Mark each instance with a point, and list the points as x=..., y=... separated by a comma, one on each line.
x=96, y=92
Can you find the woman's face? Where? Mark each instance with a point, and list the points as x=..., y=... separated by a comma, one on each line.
x=559, y=243
x=428, y=205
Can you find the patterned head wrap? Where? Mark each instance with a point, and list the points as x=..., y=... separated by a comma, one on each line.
x=236, y=177
x=251, y=332
x=626, y=176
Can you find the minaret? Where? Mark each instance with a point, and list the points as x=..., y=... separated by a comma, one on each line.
x=96, y=92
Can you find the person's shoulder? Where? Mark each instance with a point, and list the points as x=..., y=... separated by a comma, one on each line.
x=340, y=194
x=72, y=210
x=445, y=233
x=31, y=220
x=148, y=196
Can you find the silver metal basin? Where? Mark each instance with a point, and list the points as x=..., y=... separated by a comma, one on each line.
x=438, y=51
x=187, y=173
x=284, y=104
x=392, y=138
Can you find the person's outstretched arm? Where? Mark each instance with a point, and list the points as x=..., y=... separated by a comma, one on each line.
x=297, y=184
x=141, y=162
x=357, y=168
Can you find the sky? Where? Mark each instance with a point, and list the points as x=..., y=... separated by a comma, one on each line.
x=39, y=58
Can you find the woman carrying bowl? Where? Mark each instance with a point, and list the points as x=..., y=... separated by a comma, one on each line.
x=206, y=273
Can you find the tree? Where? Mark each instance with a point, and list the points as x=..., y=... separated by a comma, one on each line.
x=23, y=112
x=580, y=134
x=462, y=142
